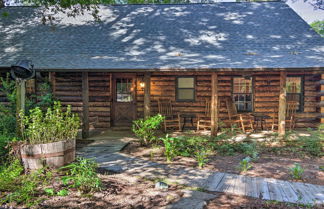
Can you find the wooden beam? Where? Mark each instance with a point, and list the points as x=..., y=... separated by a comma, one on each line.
x=147, y=95
x=85, y=101
x=51, y=77
x=20, y=102
x=282, y=104
x=214, y=104
x=322, y=99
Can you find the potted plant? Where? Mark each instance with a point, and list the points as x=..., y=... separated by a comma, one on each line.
x=48, y=137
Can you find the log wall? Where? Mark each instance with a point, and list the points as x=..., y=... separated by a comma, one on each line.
x=67, y=87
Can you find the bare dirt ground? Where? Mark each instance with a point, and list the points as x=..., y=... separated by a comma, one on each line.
x=268, y=165
x=118, y=192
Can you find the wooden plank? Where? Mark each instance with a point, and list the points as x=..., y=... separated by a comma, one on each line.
x=282, y=104
x=227, y=183
x=251, y=187
x=303, y=194
x=262, y=189
x=214, y=181
x=147, y=95
x=274, y=190
x=85, y=101
x=214, y=105
x=240, y=184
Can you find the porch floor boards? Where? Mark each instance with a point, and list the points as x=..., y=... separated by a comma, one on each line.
x=257, y=187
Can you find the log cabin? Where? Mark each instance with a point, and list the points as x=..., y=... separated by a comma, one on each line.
x=114, y=71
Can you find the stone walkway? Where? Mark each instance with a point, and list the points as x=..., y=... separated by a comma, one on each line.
x=263, y=188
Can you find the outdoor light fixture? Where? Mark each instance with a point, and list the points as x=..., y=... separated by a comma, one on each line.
x=142, y=84
x=23, y=70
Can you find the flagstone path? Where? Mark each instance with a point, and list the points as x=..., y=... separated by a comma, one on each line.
x=105, y=152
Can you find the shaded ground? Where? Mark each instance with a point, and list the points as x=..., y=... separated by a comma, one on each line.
x=119, y=191
x=268, y=165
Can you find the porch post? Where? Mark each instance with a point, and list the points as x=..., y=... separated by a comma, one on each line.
x=20, y=102
x=214, y=104
x=282, y=104
x=147, y=95
x=85, y=101
x=322, y=99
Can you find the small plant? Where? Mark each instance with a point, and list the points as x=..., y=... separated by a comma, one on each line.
x=201, y=157
x=54, y=125
x=145, y=130
x=297, y=171
x=170, y=147
x=49, y=191
x=245, y=164
x=82, y=175
x=63, y=192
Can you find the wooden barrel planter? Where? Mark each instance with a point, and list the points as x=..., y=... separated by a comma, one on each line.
x=54, y=155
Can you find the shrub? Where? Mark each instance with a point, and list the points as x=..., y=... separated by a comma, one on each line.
x=54, y=125
x=21, y=189
x=297, y=171
x=82, y=175
x=245, y=164
x=201, y=157
x=145, y=130
x=170, y=146
x=313, y=144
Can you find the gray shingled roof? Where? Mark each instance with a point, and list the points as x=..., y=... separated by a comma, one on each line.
x=187, y=36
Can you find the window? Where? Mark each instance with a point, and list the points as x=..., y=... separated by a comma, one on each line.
x=242, y=94
x=124, y=90
x=185, y=89
x=295, y=91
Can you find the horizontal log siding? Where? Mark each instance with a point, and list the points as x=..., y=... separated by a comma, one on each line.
x=99, y=100
x=68, y=89
x=266, y=94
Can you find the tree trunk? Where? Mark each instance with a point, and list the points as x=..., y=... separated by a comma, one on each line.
x=1, y=3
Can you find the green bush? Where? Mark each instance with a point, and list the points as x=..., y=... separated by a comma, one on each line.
x=170, y=146
x=145, y=130
x=297, y=171
x=245, y=164
x=54, y=125
x=201, y=157
x=19, y=188
x=82, y=175
x=312, y=144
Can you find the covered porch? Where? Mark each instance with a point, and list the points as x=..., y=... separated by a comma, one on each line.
x=94, y=95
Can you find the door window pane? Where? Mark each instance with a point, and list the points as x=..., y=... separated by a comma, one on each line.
x=124, y=90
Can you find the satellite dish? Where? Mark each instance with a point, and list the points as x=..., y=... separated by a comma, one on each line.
x=23, y=69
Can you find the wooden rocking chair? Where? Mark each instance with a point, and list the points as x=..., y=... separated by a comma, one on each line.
x=244, y=121
x=171, y=120
x=290, y=116
x=204, y=120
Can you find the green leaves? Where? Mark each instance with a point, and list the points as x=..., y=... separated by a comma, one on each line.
x=50, y=126
x=318, y=26
x=170, y=147
x=245, y=164
x=145, y=130
x=82, y=175
x=297, y=171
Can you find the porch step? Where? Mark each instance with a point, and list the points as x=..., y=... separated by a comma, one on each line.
x=121, y=128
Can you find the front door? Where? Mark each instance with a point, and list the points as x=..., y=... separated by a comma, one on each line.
x=124, y=100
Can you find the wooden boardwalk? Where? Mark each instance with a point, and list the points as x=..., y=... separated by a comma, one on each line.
x=257, y=187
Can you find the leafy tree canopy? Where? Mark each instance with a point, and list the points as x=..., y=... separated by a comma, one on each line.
x=318, y=26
